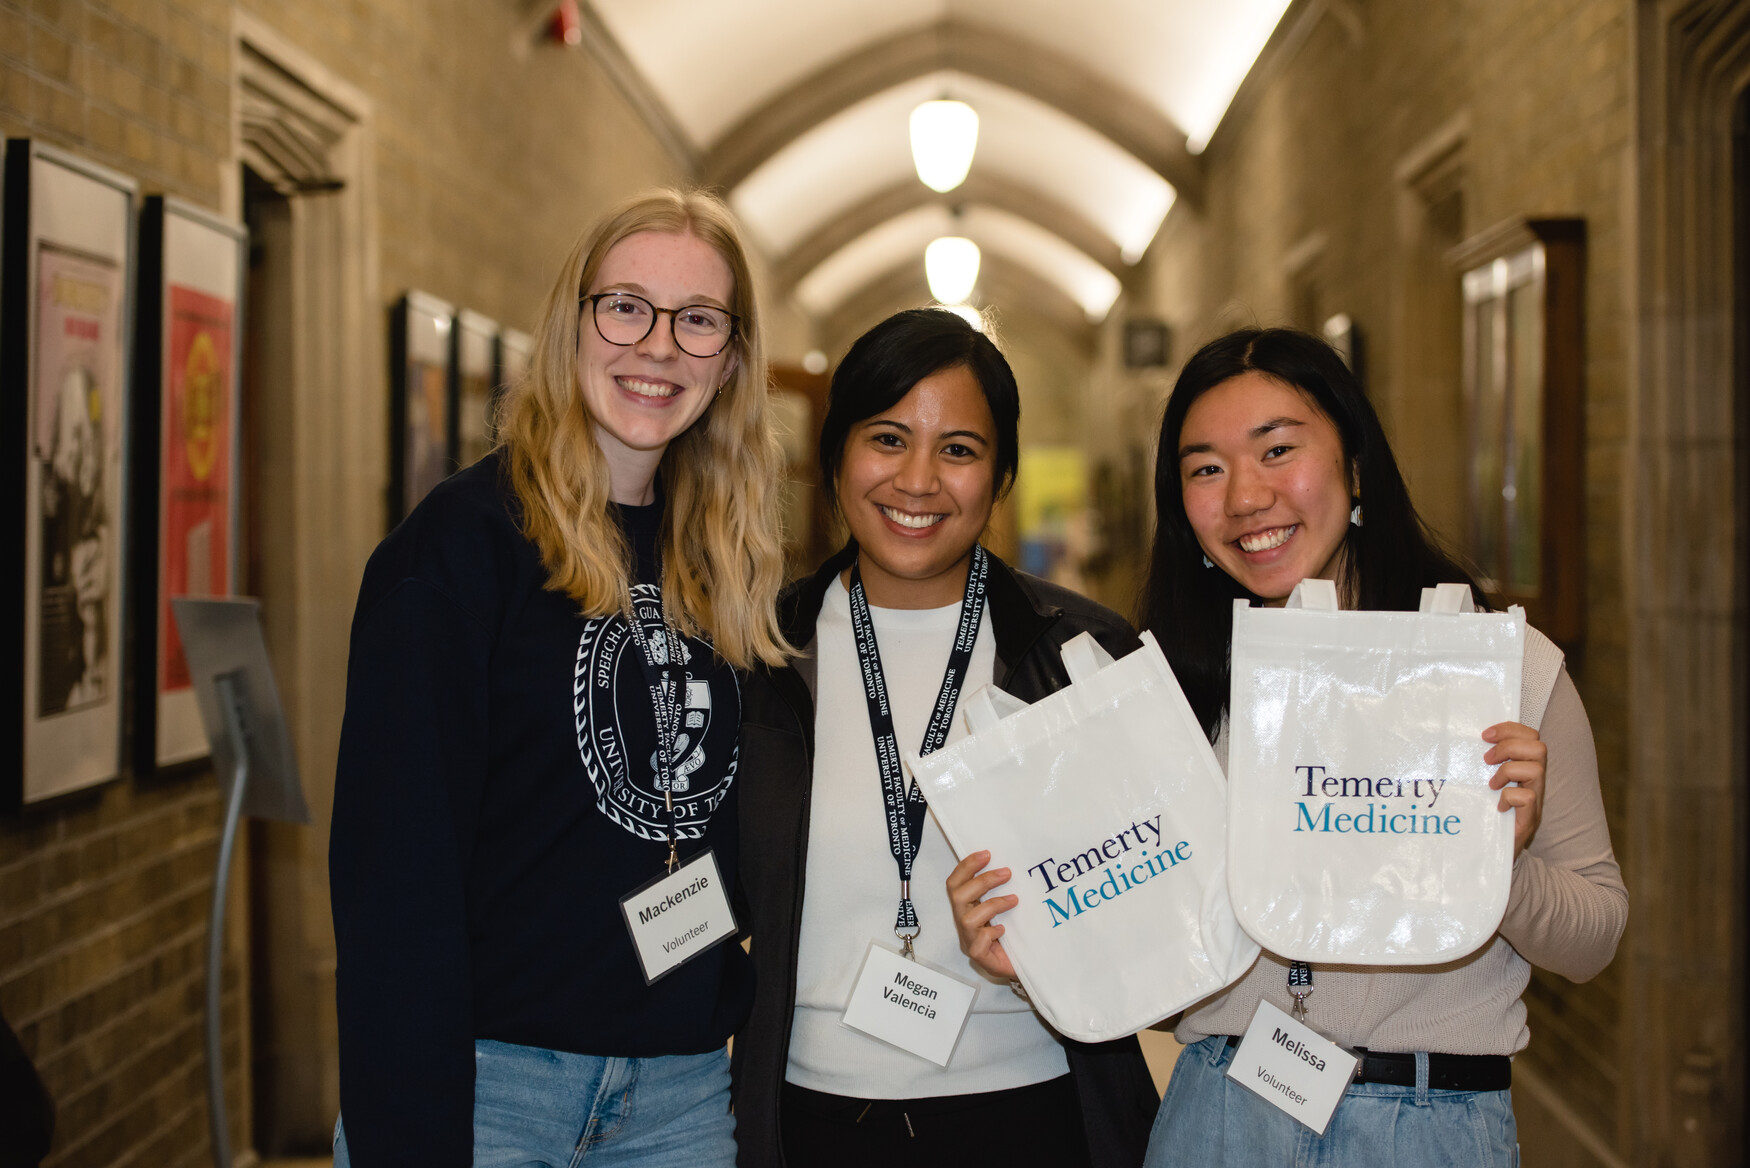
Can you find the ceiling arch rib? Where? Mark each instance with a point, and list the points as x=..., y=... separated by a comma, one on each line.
x=865, y=149
x=979, y=51
x=983, y=189
x=1015, y=292
x=902, y=239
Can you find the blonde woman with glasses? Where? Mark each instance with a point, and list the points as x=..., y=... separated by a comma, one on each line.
x=535, y=823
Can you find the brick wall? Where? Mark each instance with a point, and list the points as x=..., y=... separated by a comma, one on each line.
x=1308, y=209
x=142, y=85
x=490, y=160
x=103, y=908
x=104, y=895
x=490, y=154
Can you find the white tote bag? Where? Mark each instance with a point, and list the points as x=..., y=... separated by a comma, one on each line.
x=1361, y=826
x=1107, y=803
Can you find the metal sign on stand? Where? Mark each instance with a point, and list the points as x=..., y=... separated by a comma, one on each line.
x=240, y=708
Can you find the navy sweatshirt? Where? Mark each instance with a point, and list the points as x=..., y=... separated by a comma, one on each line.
x=495, y=798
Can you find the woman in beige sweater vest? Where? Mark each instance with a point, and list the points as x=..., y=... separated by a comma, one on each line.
x=1269, y=456
x=1273, y=467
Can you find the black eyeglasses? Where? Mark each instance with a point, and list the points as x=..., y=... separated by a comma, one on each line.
x=700, y=330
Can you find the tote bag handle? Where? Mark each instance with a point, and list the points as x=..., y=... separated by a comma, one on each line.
x=1083, y=657
x=1314, y=595
x=1448, y=599
x=988, y=705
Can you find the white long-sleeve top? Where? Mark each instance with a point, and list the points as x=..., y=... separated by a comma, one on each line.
x=853, y=883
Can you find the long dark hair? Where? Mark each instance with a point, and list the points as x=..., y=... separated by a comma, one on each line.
x=884, y=364
x=1388, y=560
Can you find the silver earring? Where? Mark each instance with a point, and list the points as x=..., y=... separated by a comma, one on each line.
x=1208, y=563
x=1355, y=515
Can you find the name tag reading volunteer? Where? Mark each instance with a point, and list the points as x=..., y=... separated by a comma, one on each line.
x=910, y=1005
x=678, y=916
x=1292, y=1066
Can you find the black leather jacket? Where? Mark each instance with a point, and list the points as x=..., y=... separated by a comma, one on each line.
x=1030, y=619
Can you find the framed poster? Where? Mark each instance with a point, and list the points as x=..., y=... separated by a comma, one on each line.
x=423, y=400
x=188, y=363
x=1523, y=283
x=64, y=364
x=514, y=350
x=476, y=386
x=1145, y=343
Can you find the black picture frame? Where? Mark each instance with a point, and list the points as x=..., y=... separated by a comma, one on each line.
x=187, y=478
x=1146, y=343
x=422, y=400
x=515, y=350
x=1343, y=334
x=67, y=254
x=476, y=340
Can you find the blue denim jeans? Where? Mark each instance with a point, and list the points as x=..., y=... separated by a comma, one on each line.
x=546, y=1107
x=1207, y=1120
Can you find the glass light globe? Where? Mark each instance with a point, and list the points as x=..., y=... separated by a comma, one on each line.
x=951, y=263
x=944, y=135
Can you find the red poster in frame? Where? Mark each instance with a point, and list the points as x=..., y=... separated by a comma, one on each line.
x=198, y=419
x=187, y=428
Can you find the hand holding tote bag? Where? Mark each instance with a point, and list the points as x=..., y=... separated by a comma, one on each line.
x=1107, y=803
x=1361, y=826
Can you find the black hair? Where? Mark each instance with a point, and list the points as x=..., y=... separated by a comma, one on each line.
x=1388, y=561
x=888, y=360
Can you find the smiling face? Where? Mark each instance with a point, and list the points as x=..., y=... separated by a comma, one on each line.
x=1266, y=484
x=916, y=486
x=642, y=396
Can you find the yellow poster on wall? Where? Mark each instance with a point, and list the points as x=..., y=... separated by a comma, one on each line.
x=1052, y=487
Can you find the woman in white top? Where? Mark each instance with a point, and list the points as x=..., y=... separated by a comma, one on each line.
x=918, y=444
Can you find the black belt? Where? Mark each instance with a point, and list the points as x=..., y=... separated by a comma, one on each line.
x=1446, y=1072
x=1047, y=1094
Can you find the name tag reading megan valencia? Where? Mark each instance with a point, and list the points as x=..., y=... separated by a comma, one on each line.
x=1293, y=1066
x=907, y=1004
x=678, y=916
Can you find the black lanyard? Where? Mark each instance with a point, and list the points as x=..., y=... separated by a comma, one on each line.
x=665, y=702
x=1300, y=987
x=906, y=808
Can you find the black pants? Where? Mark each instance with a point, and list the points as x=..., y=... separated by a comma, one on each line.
x=1039, y=1124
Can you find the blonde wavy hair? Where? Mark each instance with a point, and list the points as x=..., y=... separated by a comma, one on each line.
x=722, y=558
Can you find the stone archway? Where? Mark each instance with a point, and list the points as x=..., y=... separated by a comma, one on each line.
x=1684, y=1017
x=316, y=399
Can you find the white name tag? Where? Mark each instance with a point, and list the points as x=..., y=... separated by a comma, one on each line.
x=1293, y=1066
x=907, y=1004
x=678, y=916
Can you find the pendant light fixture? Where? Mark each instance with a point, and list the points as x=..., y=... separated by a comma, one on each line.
x=944, y=135
x=951, y=263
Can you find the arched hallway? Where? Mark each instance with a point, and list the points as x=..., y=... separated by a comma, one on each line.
x=1432, y=187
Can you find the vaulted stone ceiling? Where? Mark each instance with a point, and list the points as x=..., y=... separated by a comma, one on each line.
x=1091, y=117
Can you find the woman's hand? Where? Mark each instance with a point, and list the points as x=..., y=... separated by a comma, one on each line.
x=979, y=938
x=1521, y=755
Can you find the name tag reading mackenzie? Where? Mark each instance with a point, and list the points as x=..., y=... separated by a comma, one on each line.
x=1292, y=1066
x=678, y=916
x=908, y=1004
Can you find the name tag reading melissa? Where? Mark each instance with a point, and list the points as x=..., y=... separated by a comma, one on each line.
x=677, y=916
x=1292, y=1066
x=910, y=1005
